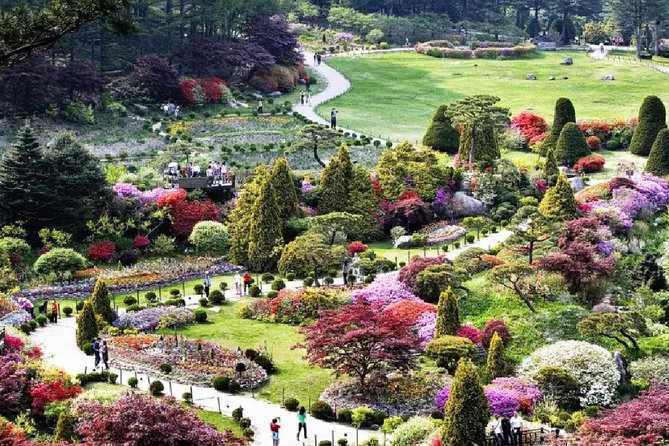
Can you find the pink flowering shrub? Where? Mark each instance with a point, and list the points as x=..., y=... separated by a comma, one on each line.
x=383, y=291
x=425, y=325
x=470, y=332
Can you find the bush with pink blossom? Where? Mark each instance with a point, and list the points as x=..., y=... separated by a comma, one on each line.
x=385, y=290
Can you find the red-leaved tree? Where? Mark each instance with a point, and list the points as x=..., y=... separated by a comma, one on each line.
x=409, y=273
x=641, y=422
x=579, y=264
x=184, y=214
x=359, y=341
x=137, y=420
x=529, y=125
x=50, y=392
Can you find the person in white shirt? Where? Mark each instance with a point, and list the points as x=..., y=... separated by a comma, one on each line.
x=196, y=170
x=517, y=430
x=497, y=431
x=238, y=284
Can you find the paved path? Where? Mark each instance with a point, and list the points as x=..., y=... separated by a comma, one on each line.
x=596, y=53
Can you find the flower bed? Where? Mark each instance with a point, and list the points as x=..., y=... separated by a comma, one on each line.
x=295, y=306
x=514, y=52
x=441, y=233
x=15, y=318
x=193, y=362
x=153, y=318
x=443, y=48
x=438, y=48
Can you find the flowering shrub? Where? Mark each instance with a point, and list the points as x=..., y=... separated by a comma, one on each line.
x=408, y=274
x=470, y=332
x=356, y=247
x=601, y=130
x=593, y=142
x=592, y=366
x=53, y=391
x=441, y=233
x=296, y=306
x=529, y=125
x=15, y=318
x=653, y=369
x=414, y=431
x=425, y=325
x=211, y=90
x=442, y=48
x=505, y=396
x=152, y=318
x=495, y=326
x=186, y=214
x=128, y=190
x=102, y=251
x=193, y=362
x=344, y=36
x=13, y=380
x=385, y=290
x=409, y=310
x=537, y=139
x=590, y=164
x=142, y=242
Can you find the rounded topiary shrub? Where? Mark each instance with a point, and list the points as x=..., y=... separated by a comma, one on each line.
x=266, y=363
x=165, y=368
x=156, y=388
x=41, y=320
x=200, y=315
x=80, y=305
x=204, y=302
x=308, y=281
x=151, y=296
x=571, y=145
x=255, y=291
x=658, y=160
x=564, y=113
x=344, y=415
x=210, y=237
x=187, y=397
x=198, y=289
x=267, y=277
x=134, y=307
x=221, y=383
x=291, y=404
x=290, y=276
x=322, y=411
x=652, y=119
x=272, y=294
x=132, y=382
x=67, y=311
x=278, y=285
x=216, y=297
x=129, y=300
x=234, y=387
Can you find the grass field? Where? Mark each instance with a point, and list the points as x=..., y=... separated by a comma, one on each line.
x=395, y=94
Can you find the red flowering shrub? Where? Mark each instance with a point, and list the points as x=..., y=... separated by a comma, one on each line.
x=409, y=273
x=593, y=142
x=186, y=214
x=408, y=195
x=356, y=247
x=142, y=242
x=209, y=90
x=492, y=326
x=492, y=261
x=541, y=185
x=470, y=332
x=276, y=78
x=171, y=198
x=13, y=343
x=599, y=129
x=537, y=139
x=102, y=251
x=13, y=381
x=590, y=163
x=529, y=125
x=408, y=310
x=49, y=392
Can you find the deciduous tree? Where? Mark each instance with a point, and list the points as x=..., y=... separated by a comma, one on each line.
x=625, y=328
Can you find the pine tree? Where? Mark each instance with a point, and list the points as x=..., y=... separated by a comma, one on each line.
x=25, y=189
x=65, y=427
x=487, y=148
x=564, y=113
x=496, y=365
x=571, y=145
x=241, y=217
x=551, y=165
x=87, y=328
x=559, y=203
x=466, y=413
x=658, y=160
x=265, y=239
x=101, y=303
x=362, y=200
x=441, y=135
x=284, y=188
x=448, y=314
x=336, y=182
x=652, y=119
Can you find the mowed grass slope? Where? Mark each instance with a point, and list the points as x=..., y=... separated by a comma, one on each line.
x=395, y=94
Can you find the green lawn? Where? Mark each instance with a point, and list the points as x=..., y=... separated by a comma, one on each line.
x=395, y=94
x=221, y=422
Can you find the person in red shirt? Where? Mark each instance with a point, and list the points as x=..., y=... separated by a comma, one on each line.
x=246, y=278
x=274, y=426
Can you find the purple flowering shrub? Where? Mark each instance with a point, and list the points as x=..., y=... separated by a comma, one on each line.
x=152, y=318
x=505, y=396
x=385, y=290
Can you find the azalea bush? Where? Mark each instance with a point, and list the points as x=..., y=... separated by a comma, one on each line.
x=356, y=247
x=529, y=125
x=210, y=90
x=52, y=391
x=296, y=306
x=151, y=319
x=408, y=274
x=590, y=164
x=385, y=290
x=102, y=251
x=505, y=396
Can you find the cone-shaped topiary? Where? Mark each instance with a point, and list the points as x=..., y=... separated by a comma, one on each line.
x=571, y=145
x=466, y=413
x=496, y=365
x=658, y=160
x=448, y=314
x=265, y=235
x=551, y=165
x=564, y=113
x=65, y=427
x=284, y=188
x=87, y=328
x=559, y=203
x=486, y=149
x=335, y=182
x=101, y=303
x=441, y=135
x=652, y=119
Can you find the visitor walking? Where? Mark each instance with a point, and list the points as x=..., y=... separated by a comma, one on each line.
x=247, y=282
x=506, y=431
x=315, y=58
x=497, y=431
x=301, y=98
x=333, y=118
x=345, y=270
x=274, y=427
x=319, y=58
x=54, y=312
x=96, y=352
x=302, y=422
x=355, y=268
x=238, y=284
x=259, y=109
x=207, y=286
x=517, y=429
x=104, y=351
x=308, y=97
x=601, y=47
x=177, y=110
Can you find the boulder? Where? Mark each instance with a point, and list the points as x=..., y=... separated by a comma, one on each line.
x=531, y=77
x=501, y=57
x=552, y=78
x=301, y=81
x=405, y=241
x=565, y=77
x=567, y=61
x=141, y=108
x=257, y=96
x=608, y=77
x=577, y=183
x=463, y=205
x=274, y=94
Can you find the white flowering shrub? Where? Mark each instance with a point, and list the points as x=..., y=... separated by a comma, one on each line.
x=592, y=366
x=414, y=431
x=655, y=368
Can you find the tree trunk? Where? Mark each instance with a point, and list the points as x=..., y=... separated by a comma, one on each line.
x=316, y=157
x=637, y=33
x=530, y=251
x=473, y=145
x=525, y=299
x=657, y=36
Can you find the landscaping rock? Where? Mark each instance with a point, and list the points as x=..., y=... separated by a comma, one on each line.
x=501, y=57
x=608, y=77
x=531, y=77
x=565, y=77
x=301, y=82
x=464, y=205
x=405, y=241
x=552, y=78
x=274, y=94
x=567, y=61
x=257, y=96
x=141, y=108
x=577, y=183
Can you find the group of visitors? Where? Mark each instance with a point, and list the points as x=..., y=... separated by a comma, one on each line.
x=217, y=171
x=305, y=97
x=508, y=432
x=318, y=58
x=627, y=169
x=243, y=283
x=351, y=270
x=169, y=109
x=27, y=306
x=275, y=425
x=100, y=352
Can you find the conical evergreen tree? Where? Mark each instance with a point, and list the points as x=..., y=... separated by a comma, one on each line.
x=486, y=149
x=564, y=113
x=101, y=303
x=241, y=217
x=559, y=203
x=466, y=413
x=652, y=119
x=551, y=166
x=87, y=328
x=496, y=364
x=65, y=427
x=25, y=189
x=448, y=314
x=441, y=135
x=363, y=201
x=571, y=145
x=265, y=235
x=284, y=188
x=658, y=160
x=336, y=182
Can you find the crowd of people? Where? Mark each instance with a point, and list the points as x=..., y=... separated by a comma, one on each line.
x=508, y=432
x=218, y=172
